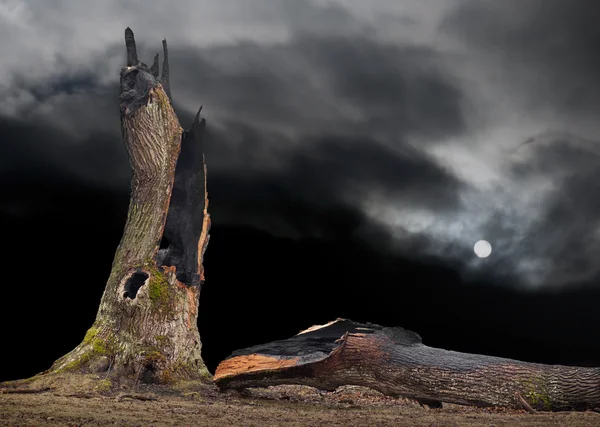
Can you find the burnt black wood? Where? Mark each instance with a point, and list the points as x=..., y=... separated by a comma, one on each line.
x=186, y=210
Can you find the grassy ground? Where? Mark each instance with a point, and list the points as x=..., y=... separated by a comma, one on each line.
x=276, y=406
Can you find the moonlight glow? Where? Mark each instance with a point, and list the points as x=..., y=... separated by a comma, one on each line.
x=482, y=249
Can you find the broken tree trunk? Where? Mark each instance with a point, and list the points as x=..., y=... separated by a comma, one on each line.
x=146, y=327
x=395, y=362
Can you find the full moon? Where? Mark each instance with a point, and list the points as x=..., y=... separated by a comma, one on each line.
x=483, y=249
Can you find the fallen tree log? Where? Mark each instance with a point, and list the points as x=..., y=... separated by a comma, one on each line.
x=395, y=362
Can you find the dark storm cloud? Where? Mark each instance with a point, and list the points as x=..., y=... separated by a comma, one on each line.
x=568, y=233
x=307, y=18
x=34, y=149
x=328, y=179
x=540, y=57
x=398, y=88
x=84, y=82
x=307, y=127
x=547, y=50
x=317, y=84
x=301, y=134
x=558, y=242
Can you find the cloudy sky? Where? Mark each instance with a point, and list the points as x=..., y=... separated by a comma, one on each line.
x=420, y=125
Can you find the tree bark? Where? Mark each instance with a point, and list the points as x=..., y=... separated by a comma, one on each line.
x=395, y=362
x=146, y=327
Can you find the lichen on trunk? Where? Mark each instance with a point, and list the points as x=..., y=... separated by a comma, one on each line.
x=146, y=327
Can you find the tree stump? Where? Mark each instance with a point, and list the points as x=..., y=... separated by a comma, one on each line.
x=146, y=327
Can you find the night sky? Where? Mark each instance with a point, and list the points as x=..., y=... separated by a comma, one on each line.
x=356, y=152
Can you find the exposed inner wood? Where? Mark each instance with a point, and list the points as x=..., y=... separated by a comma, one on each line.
x=251, y=363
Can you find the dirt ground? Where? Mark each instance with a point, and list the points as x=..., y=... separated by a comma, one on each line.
x=275, y=406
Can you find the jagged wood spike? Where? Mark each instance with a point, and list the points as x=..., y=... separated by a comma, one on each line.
x=197, y=118
x=164, y=78
x=154, y=68
x=132, y=58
